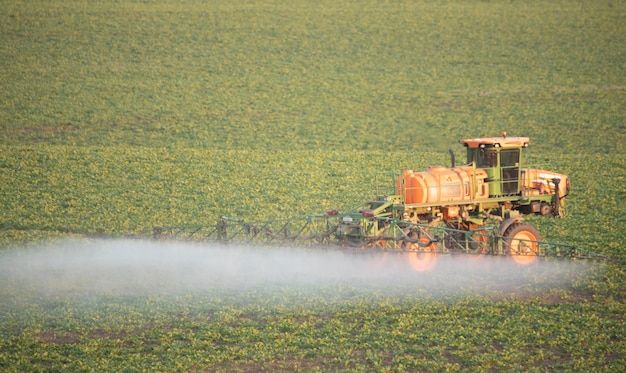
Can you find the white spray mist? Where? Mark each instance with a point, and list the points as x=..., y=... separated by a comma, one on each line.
x=129, y=267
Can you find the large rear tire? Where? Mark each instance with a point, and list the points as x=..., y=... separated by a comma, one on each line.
x=422, y=255
x=520, y=240
x=422, y=261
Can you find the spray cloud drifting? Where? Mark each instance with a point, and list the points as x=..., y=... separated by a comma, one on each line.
x=127, y=267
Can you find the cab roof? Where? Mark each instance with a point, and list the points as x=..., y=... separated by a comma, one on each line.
x=498, y=142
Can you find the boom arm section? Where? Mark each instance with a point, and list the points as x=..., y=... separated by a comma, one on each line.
x=328, y=231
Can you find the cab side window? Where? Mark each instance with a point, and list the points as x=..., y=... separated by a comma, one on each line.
x=509, y=158
x=487, y=158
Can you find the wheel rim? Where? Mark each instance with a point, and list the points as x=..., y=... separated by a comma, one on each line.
x=422, y=261
x=425, y=259
x=523, y=251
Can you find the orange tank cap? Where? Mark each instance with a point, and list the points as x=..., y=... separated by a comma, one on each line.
x=503, y=142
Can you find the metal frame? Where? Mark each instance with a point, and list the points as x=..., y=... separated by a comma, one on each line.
x=393, y=235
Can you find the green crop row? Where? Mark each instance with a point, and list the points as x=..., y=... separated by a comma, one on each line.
x=304, y=75
x=121, y=190
x=116, y=116
x=58, y=191
x=314, y=331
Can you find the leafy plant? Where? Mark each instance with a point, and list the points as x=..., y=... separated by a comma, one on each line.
x=118, y=116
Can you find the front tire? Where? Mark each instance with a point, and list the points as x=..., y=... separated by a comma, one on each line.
x=520, y=240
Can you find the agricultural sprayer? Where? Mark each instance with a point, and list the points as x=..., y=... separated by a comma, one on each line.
x=476, y=209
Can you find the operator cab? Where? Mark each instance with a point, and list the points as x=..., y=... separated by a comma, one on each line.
x=500, y=157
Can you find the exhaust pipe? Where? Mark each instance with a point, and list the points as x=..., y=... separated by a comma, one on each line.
x=557, y=198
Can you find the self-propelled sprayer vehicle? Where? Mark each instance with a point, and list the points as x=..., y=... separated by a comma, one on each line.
x=476, y=208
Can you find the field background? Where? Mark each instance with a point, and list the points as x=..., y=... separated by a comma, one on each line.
x=116, y=116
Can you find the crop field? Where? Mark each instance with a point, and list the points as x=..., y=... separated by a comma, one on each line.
x=118, y=116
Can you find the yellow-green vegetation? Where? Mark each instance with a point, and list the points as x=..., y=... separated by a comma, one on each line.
x=116, y=116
